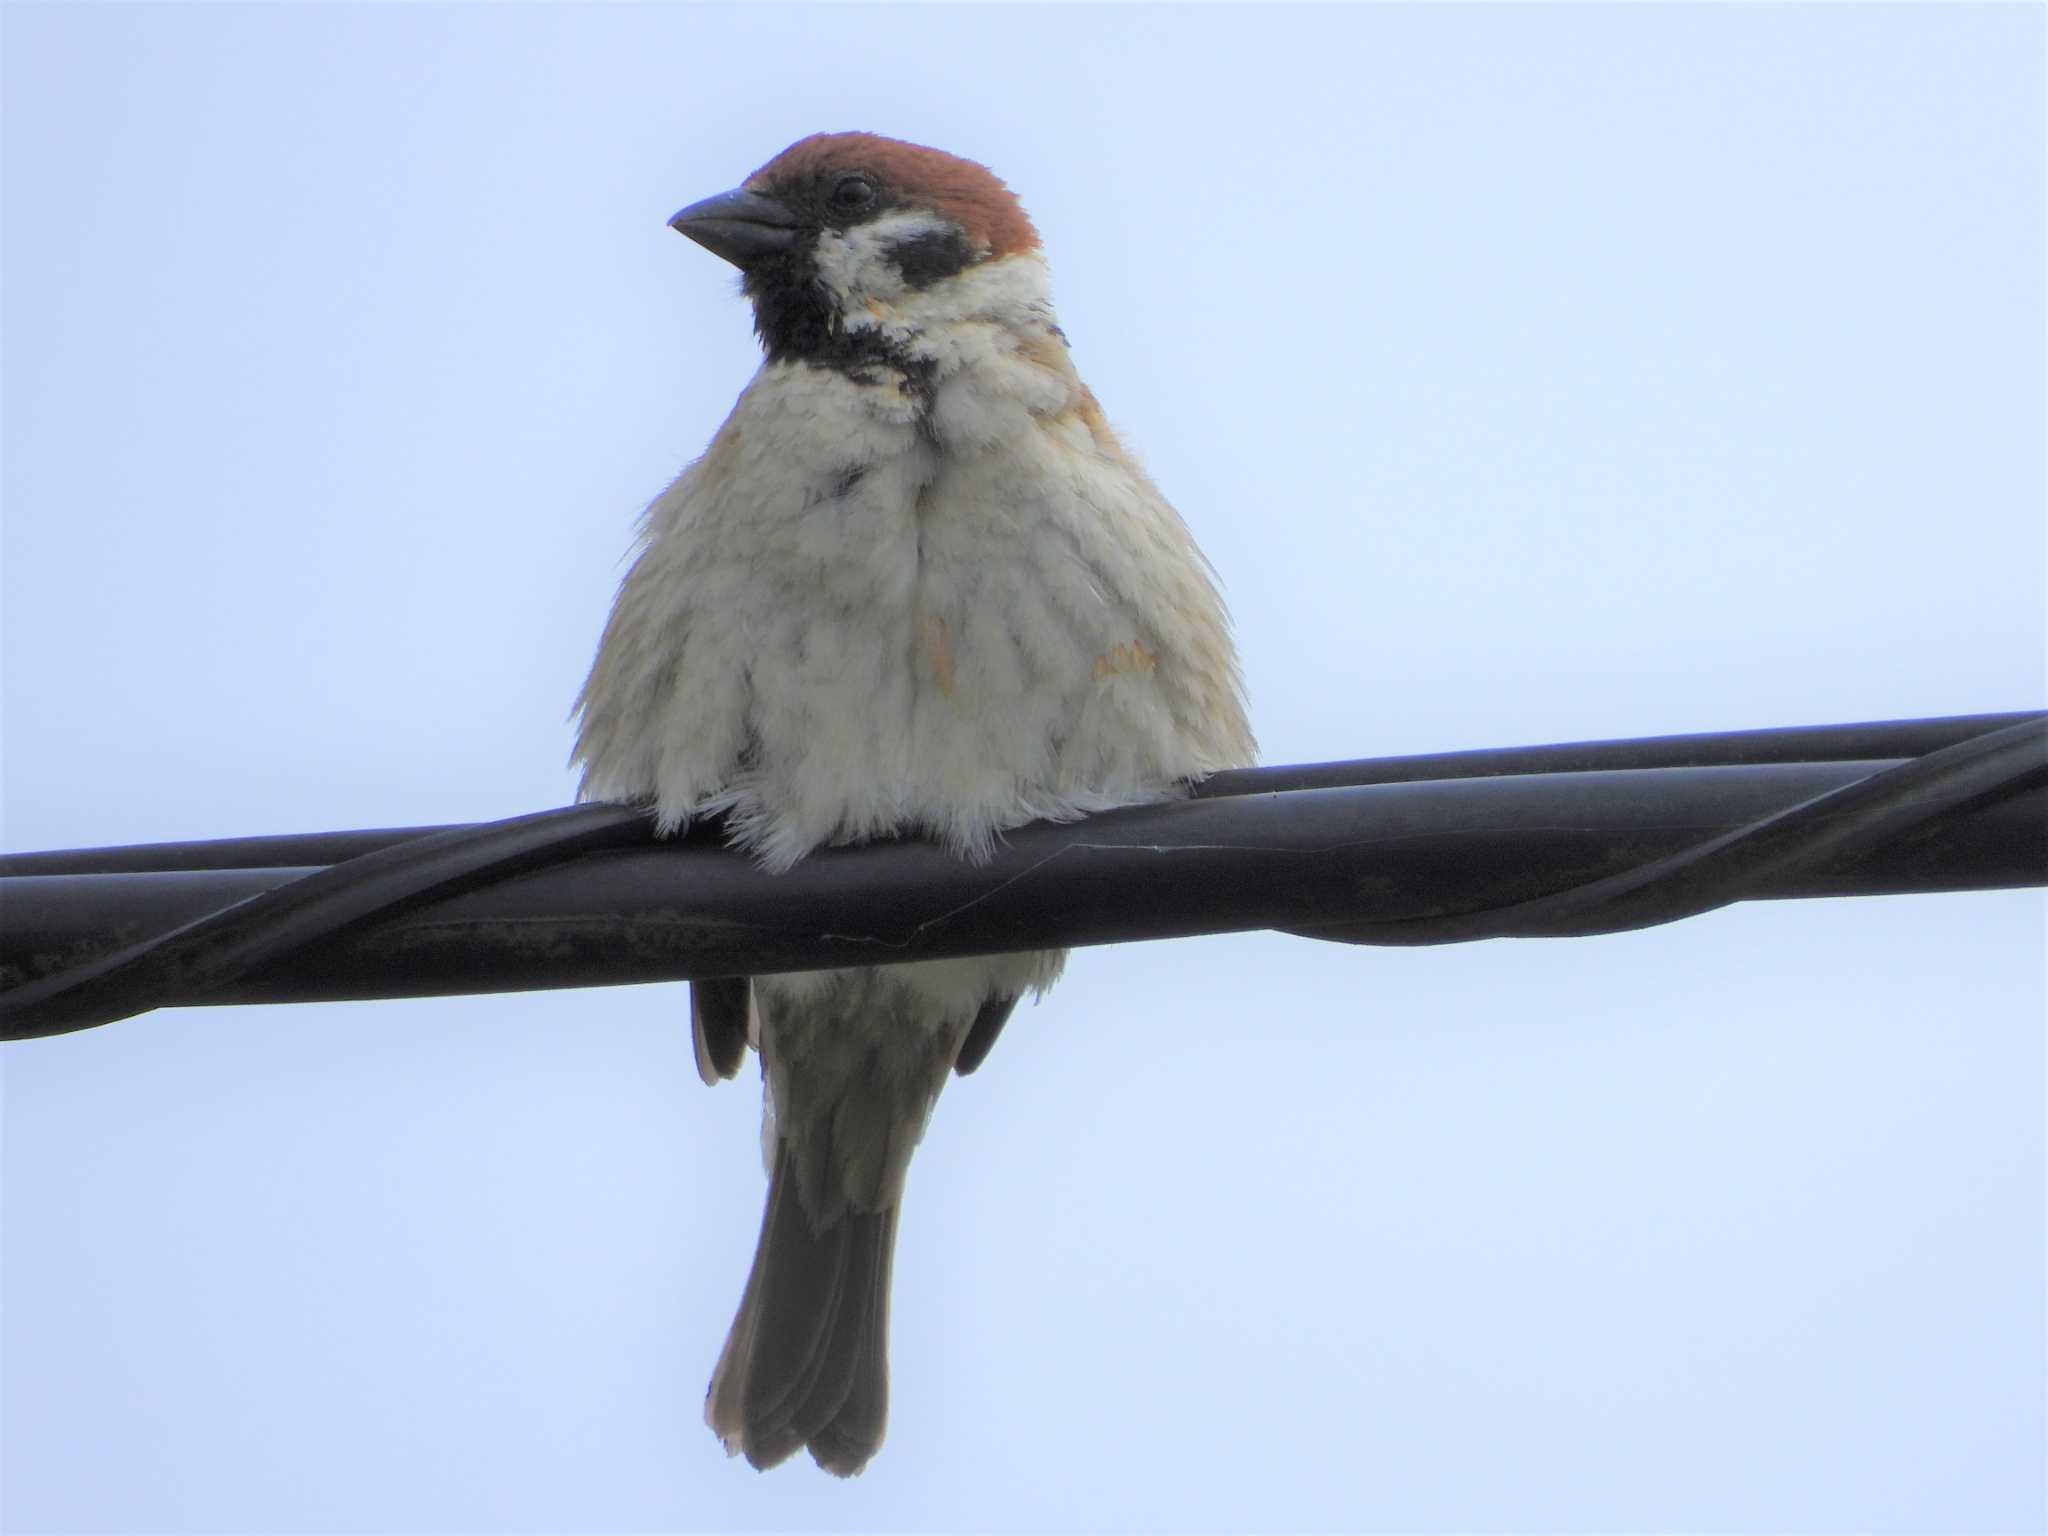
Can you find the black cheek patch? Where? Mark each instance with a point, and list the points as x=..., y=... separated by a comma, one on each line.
x=924, y=259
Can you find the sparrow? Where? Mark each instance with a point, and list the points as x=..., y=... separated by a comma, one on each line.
x=914, y=587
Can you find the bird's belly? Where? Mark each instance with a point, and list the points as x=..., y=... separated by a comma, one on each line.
x=946, y=662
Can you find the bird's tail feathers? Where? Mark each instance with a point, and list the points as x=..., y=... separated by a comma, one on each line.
x=806, y=1363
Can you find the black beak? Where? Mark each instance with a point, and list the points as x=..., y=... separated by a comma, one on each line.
x=740, y=226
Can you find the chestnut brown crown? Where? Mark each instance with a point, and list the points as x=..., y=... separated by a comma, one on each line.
x=965, y=191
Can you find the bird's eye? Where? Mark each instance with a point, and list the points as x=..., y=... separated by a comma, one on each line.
x=850, y=194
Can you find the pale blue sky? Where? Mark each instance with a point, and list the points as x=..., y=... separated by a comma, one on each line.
x=1530, y=374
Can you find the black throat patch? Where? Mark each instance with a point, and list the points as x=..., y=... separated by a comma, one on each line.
x=797, y=321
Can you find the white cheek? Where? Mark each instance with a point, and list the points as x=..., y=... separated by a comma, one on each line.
x=848, y=269
x=855, y=265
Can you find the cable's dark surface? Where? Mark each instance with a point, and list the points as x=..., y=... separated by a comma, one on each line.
x=1834, y=825
x=202, y=955
x=1401, y=851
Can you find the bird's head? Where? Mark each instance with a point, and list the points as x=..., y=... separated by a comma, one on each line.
x=844, y=231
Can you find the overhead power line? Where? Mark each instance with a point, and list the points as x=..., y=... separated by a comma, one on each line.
x=1553, y=841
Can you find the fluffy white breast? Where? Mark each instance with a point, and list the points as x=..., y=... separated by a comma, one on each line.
x=939, y=599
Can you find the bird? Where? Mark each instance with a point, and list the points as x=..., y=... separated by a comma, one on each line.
x=915, y=587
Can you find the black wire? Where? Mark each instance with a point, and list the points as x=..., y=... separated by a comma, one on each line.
x=1319, y=841
x=195, y=959
x=1834, y=825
